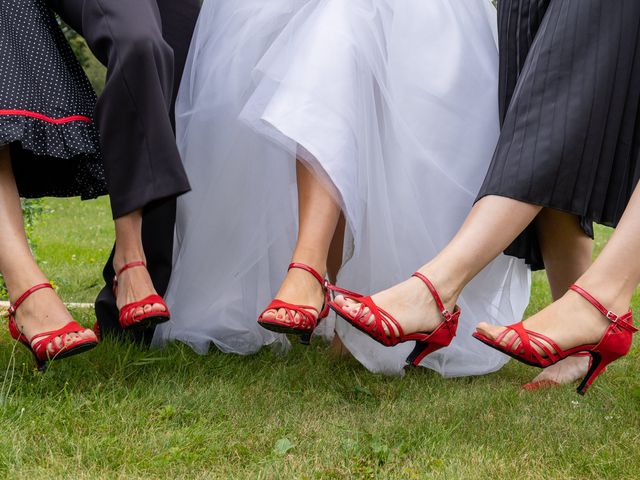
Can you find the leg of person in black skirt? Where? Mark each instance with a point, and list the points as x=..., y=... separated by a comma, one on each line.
x=565, y=248
x=570, y=142
x=567, y=252
x=599, y=327
x=144, y=45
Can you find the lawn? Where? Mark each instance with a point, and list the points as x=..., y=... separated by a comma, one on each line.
x=125, y=412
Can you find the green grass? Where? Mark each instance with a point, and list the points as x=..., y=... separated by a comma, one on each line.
x=73, y=240
x=124, y=412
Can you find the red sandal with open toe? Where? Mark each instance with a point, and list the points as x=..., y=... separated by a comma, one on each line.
x=426, y=342
x=308, y=317
x=538, y=350
x=128, y=318
x=38, y=344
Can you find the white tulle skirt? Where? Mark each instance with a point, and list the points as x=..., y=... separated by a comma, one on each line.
x=393, y=105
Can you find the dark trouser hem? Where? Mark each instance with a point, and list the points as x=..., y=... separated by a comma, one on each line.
x=123, y=206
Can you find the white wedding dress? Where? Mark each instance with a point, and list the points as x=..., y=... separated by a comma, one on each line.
x=392, y=103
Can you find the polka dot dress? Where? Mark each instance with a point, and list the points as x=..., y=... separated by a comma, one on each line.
x=46, y=106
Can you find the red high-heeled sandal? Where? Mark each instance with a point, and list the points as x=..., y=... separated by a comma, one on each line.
x=37, y=345
x=128, y=319
x=307, y=321
x=426, y=342
x=538, y=350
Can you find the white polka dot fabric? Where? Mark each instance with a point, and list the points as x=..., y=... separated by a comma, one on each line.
x=45, y=100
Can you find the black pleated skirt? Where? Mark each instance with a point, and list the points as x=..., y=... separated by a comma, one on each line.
x=46, y=106
x=570, y=110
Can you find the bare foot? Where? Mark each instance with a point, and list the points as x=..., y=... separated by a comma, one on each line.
x=409, y=302
x=134, y=284
x=565, y=372
x=299, y=288
x=570, y=321
x=43, y=311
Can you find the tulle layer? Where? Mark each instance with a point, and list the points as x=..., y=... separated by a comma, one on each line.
x=393, y=104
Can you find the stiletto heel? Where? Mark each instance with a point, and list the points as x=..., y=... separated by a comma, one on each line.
x=37, y=345
x=307, y=321
x=597, y=367
x=426, y=342
x=128, y=318
x=305, y=338
x=539, y=350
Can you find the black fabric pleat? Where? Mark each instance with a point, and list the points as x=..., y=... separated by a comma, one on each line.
x=569, y=105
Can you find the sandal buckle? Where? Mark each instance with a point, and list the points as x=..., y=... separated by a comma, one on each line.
x=612, y=316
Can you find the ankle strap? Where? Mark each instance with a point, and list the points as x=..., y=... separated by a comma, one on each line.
x=312, y=271
x=445, y=313
x=624, y=321
x=12, y=309
x=127, y=266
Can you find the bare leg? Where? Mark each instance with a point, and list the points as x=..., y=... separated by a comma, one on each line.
x=494, y=222
x=318, y=218
x=334, y=264
x=566, y=249
x=133, y=284
x=612, y=279
x=336, y=250
x=567, y=253
x=42, y=311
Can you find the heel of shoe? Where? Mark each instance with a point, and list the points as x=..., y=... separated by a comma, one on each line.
x=420, y=351
x=599, y=364
x=305, y=338
x=41, y=365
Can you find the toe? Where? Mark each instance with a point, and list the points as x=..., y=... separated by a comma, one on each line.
x=158, y=307
x=490, y=331
x=88, y=334
x=54, y=346
x=342, y=301
x=71, y=338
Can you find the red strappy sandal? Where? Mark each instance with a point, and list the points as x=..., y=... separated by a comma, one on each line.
x=539, y=350
x=128, y=319
x=426, y=342
x=308, y=316
x=37, y=345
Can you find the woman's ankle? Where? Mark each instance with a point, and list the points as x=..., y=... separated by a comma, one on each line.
x=311, y=259
x=447, y=285
x=19, y=283
x=124, y=257
x=613, y=295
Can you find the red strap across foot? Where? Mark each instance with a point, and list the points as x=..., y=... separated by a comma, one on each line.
x=306, y=319
x=528, y=341
x=312, y=271
x=127, y=266
x=310, y=319
x=40, y=341
x=12, y=309
x=127, y=318
x=445, y=313
x=625, y=321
